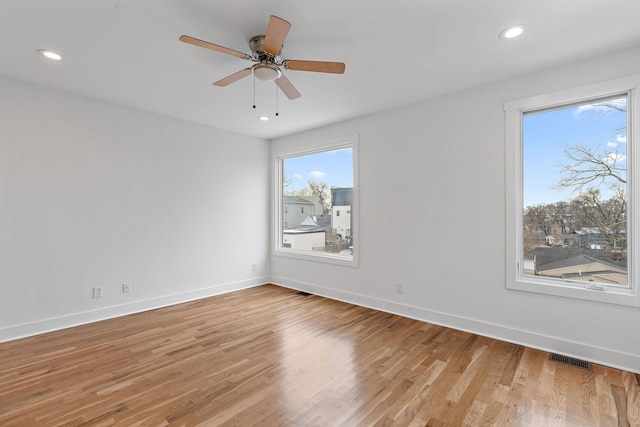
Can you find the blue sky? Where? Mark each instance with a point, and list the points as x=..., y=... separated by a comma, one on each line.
x=333, y=167
x=547, y=133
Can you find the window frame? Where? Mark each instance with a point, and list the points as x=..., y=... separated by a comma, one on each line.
x=514, y=113
x=278, y=157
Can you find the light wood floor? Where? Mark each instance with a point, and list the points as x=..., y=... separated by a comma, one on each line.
x=268, y=356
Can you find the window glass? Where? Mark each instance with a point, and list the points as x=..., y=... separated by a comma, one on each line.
x=317, y=185
x=575, y=198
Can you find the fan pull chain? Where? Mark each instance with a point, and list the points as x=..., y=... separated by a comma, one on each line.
x=254, y=91
x=276, y=100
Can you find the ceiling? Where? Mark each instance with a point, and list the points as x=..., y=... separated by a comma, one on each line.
x=396, y=52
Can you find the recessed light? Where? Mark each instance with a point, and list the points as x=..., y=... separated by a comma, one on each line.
x=263, y=118
x=50, y=54
x=512, y=32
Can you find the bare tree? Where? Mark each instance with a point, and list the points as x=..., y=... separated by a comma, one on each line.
x=589, y=166
x=286, y=182
x=320, y=188
x=537, y=218
x=608, y=216
x=324, y=192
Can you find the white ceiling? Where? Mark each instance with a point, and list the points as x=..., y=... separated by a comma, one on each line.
x=397, y=52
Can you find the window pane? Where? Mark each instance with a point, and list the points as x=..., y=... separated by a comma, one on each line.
x=315, y=188
x=575, y=193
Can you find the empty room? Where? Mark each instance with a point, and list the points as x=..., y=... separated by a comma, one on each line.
x=289, y=213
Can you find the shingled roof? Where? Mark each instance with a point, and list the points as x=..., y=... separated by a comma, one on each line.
x=583, y=265
x=296, y=200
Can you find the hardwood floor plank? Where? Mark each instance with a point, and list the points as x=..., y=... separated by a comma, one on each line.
x=631, y=382
x=270, y=357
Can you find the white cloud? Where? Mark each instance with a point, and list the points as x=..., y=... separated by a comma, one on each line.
x=621, y=138
x=615, y=158
x=612, y=144
x=317, y=174
x=583, y=108
x=297, y=176
x=603, y=107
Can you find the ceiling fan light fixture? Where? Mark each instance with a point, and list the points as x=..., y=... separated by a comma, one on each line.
x=266, y=72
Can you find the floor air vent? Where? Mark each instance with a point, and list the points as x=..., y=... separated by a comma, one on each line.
x=304, y=294
x=582, y=364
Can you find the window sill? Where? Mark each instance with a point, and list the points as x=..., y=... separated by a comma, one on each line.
x=624, y=296
x=318, y=257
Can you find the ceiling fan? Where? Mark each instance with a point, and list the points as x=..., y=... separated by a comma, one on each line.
x=265, y=52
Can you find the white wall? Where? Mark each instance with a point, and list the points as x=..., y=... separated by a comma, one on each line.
x=447, y=156
x=95, y=194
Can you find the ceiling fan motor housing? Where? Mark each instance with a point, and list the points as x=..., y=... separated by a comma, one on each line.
x=266, y=69
x=256, y=44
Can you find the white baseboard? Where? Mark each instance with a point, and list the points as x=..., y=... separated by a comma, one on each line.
x=53, y=324
x=603, y=356
x=608, y=357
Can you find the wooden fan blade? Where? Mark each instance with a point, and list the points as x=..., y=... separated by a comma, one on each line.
x=287, y=87
x=317, y=66
x=233, y=77
x=277, y=31
x=221, y=49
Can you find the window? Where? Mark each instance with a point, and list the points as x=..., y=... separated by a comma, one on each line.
x=318, y=178
x=337, y=213
x=570, y=193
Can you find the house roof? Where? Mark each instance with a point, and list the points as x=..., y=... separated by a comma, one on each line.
x=560, y=258
x=323, y=220
x=296, y=200
x=581, y=260
x=309, y=222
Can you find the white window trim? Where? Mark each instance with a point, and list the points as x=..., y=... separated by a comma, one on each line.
x=277, y=159
x=514, y=111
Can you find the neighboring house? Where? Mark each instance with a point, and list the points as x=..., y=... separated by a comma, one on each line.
x=310, y=235
x=296, y=209
x=552, y=240
x=593, y=238
x=584, y=265
x=341, y=201
x=312, y=239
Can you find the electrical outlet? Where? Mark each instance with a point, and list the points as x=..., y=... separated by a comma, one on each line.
x=126, y=288
x=254, y=267
x=97, y=292
x=399, y=288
